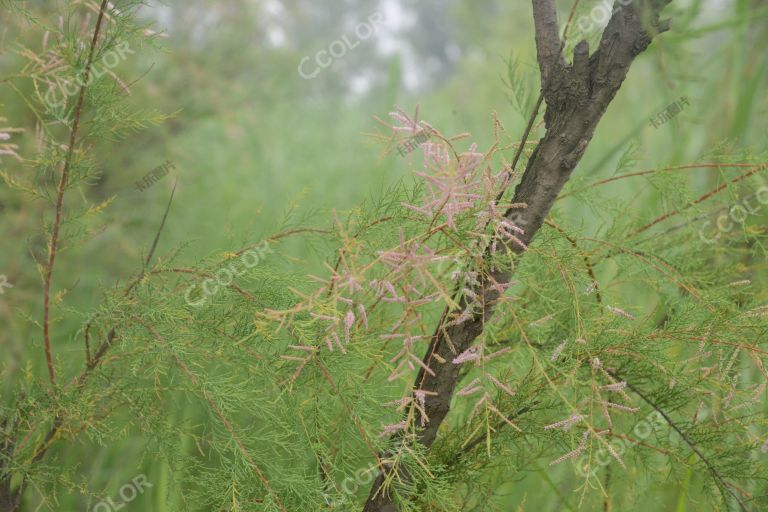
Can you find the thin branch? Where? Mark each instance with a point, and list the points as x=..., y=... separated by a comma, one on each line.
x=548, y=46
x=53, y=246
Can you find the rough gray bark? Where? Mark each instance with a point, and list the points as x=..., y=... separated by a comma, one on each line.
x=577, y=97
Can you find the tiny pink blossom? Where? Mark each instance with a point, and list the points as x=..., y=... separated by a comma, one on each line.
x=421, y=396
x=558, y=351
x=471, y=388
x=497, y=354
x=615, y=387
x=390, y=429
x=364, y=317
x=621, y=407
x=323, y=317
x=565, y=424
x=349, y=320
x=619, y=312
x=304, y=348
x=463, y=317
x=501, y=385
x=338, y=342
x=468, y=355
x=574, y=453
x=541, y=321
x=615, y=455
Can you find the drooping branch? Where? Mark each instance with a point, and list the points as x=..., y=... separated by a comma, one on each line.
x=577, y=96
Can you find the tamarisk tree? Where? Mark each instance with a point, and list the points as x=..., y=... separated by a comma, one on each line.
x=463, y=333
x=576, y=96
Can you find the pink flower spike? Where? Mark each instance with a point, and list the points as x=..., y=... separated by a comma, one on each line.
x=323, y=317
x=541, y=321
x=501, y=385
x=364, y=317
x=558, y=351
x=574, y=453
x=470, y=388
x=338, y=343
x=619, y=312
x=420, y=363
x=615, y=455
x=305, y=348
x=468, y=355
x=348, y=322
x=564, y=424
x=497, y=354
x=399, y=403
x=391, y=429
x=615, y=387
x=621, y=407
x=421, y=396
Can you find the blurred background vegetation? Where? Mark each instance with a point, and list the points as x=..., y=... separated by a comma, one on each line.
x=257, y=148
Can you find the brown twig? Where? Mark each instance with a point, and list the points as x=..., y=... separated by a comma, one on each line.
x=53, y=246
